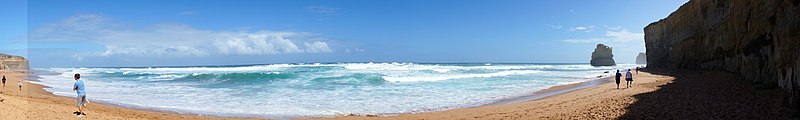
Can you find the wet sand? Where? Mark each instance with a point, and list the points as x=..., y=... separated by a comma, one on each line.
x=654, y=95
x=34, y=103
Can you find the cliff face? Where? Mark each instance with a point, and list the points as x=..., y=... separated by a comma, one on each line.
x=10, y=62
x=602, y=56
x=641, y=58
x=759, y=39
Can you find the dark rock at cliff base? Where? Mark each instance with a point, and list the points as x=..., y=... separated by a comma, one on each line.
x=10, y=62
x=602, y=56
x=641, y=58
x=758, y=39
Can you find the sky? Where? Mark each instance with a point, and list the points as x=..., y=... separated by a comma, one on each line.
x=101, y=33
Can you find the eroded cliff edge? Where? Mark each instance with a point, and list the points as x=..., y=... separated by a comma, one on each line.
x=758, y=39
x=13, y=63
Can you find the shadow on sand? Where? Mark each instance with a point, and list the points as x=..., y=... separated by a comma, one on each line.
x=707, y=95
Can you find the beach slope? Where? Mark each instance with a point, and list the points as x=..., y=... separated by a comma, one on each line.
x=654, y=95
x=34, y=103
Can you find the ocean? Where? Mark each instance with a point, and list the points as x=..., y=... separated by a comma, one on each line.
x=316, y=89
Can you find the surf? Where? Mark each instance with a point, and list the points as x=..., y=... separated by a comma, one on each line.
x=317, y=89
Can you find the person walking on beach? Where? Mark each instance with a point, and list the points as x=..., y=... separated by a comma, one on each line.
x=80, y=88
x=617, y=76
x=4, y=86
x=4, y=81
x=19, y=83
x=629, y=78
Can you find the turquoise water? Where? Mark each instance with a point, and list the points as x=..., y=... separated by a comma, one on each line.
x=317, y=90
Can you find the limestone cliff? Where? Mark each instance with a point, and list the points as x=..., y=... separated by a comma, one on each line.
x=641, y=59
x=10, y=62
x=602, y=56
x=758, y=39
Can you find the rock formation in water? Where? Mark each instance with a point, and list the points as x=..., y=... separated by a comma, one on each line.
x=10, y=62
x=758, y=39
x=602, y=56
x=641, y=59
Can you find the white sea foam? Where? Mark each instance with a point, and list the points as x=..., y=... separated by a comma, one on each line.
x=165, y=77
x=318, y=89
x=459, y=76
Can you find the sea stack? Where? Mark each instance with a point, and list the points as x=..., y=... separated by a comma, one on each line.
x=758, y=39
x=641, y=58
x=602, y=56
x=11, y=62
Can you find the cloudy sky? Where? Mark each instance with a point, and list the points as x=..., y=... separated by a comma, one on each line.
x=101, y=33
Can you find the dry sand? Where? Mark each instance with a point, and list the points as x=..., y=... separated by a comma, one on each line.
x=34, y=103
x=660, y=95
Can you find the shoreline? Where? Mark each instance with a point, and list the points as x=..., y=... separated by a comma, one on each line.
x=533, y=96
x=142, y=108
x=34, y=102
x=536, y=95
x=653, y=94
x=554, y=90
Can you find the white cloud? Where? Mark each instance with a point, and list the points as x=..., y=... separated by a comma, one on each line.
x=172, y=39
x=613, y=28
x=256, y=44
x=620, y=36
x=624, y=35
x=590, y=28
x=555, y=26
x=317, y=47
x=75, y=28
x=325, y=10
x=348, y=50
x=188, y=13
x=141, y=51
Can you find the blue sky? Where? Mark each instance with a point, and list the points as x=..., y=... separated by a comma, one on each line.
x=205, y=32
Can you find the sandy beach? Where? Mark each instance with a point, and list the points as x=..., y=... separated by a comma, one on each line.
x=654, y=95
x=34, y=103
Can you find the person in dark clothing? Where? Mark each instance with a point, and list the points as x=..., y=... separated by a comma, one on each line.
x=617, y=78
x=4, y=83
x=629, y=78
